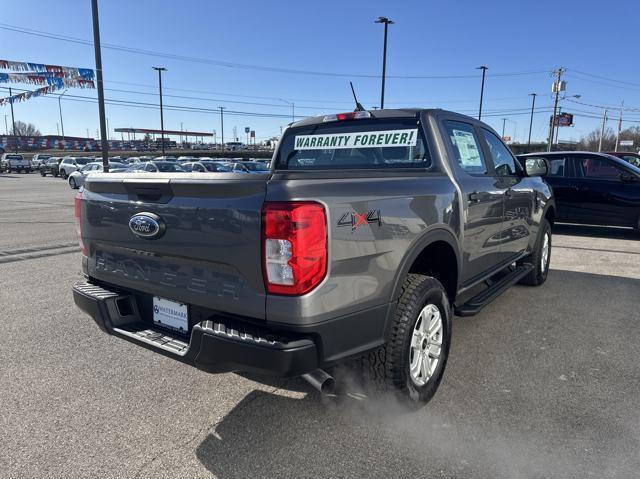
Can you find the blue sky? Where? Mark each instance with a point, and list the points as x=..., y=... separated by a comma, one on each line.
x=525, y=40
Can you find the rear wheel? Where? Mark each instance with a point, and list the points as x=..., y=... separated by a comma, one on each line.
x=63, y=173
x=413, y=360
x=540, y=258
x=42, y=173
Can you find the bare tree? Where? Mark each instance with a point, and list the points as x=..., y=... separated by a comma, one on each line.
x=591, y=141
x=23, y=129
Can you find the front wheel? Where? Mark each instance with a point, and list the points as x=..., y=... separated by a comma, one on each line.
x=64, y=175
x=540, y=258
x=72, y=183
x=413, y=360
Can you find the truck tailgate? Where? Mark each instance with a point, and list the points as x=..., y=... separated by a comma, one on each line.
x=210, y=252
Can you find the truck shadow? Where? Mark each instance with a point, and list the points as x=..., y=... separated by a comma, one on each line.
x=523, y=396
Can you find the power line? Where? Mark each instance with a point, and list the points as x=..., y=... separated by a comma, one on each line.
x=246, y=66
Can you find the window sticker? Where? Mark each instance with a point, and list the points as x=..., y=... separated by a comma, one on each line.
x=365, y=139
x=466, y=144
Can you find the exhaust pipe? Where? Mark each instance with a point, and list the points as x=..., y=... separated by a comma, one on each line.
x=320, y=380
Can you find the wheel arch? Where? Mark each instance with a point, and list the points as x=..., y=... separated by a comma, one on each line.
x=438, y=244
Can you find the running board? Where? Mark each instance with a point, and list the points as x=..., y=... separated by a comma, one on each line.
x=480, y=300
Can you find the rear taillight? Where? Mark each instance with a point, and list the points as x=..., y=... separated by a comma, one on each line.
x=78, y=215
x=294, y=242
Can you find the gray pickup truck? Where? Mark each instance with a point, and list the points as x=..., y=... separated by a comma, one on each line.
x=368, y=232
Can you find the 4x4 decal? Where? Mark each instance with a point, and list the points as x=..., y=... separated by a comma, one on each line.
x=355, y=219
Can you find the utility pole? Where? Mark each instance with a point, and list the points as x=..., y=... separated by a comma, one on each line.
x=604, y=120
x=504, y=120
x=181, y=132
x=558, y=86
x=484, y=71
x=160, y=70
x=619, y=126
x=533, y=105
x=222, y=127
x=558, y=127
x=88, y=133
x=13, y=123
x=100, y=85
x=386, y=23
x=6, y=128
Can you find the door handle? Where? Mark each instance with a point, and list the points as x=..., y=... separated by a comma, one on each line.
x=475, y=197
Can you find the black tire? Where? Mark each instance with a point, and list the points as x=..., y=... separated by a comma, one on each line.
x=539, y=273
x=64, y=175
x=42, y=173
x=72, y=183
x=55, y=174
x=389, y=365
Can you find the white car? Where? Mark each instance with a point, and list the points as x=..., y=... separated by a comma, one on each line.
x=76, y=178
x=69, y=164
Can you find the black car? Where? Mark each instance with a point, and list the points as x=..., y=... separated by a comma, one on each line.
x=593, y=188
x=50, y=167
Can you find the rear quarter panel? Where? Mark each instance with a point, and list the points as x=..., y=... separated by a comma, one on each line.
x=373, y=222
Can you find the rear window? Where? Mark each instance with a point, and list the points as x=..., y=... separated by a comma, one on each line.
x=356, y=144
x=168, y=167
x=13, y=157
x=83, y=161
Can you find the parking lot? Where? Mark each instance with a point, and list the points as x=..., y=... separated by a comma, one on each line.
x=544, y=382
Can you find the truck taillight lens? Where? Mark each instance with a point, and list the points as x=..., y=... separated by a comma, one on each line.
x=78, y=215
x=294, y=241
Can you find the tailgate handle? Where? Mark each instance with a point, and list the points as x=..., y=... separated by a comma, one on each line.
x=148, y=194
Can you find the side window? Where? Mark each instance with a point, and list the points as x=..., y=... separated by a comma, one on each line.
x=466, y=147
x=150, y=167
x=594, y=167
x=558, y=167
x=503, y=161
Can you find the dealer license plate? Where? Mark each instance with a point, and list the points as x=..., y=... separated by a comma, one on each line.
x=170, y=314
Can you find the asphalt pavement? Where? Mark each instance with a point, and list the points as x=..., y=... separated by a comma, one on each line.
x=544, y=382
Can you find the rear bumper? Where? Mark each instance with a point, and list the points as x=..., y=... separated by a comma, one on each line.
x=216, y=345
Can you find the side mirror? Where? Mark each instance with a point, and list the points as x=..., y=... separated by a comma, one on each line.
x=536, y=166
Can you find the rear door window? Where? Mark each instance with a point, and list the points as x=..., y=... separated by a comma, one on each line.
x=466, y=147
x=596, y=168
x=355, y=144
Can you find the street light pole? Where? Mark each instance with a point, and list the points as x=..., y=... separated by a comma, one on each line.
x=504, y=120
x=100, y=85
x=484, y=72
x=6, y=127
x=386, y=23
x=293, y=108
x=160, y=70
x=222, y=127
x=60, y=109
x=533, y=105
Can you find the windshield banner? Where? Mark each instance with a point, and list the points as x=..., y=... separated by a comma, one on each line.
x=365, y=139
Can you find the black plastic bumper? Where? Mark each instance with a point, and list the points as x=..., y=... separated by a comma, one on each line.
x=215, y=345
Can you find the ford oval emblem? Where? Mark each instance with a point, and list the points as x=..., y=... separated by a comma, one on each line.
x=146, y=225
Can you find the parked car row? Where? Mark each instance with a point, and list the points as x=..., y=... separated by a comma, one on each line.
x=77, y=177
